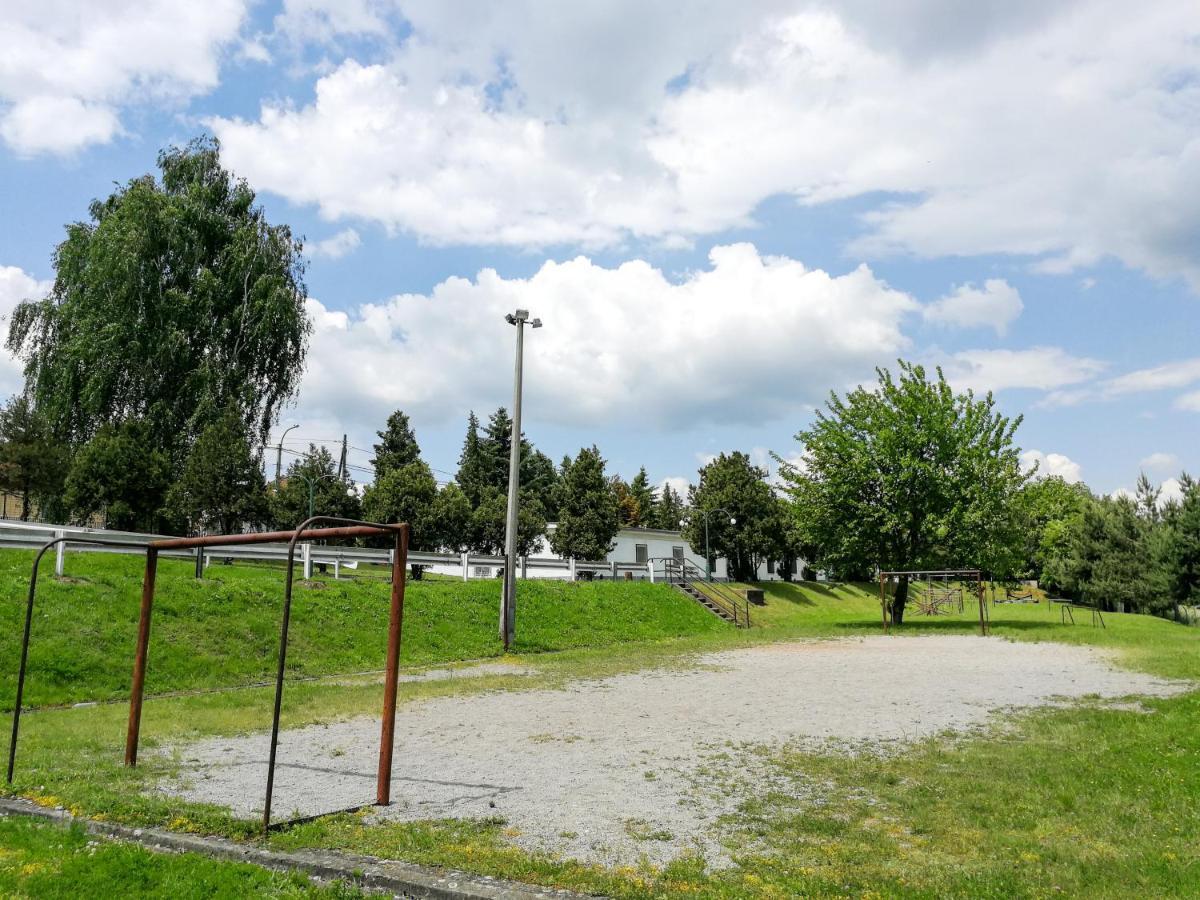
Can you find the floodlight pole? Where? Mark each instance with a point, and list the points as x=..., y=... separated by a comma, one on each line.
x=508, y=598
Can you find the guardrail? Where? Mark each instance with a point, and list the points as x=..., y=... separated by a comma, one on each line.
x=29, y=536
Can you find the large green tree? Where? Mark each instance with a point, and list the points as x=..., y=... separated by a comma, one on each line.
x=489, y=524
x=407, y=494
x=1183, y=545
x=587, y=509
x=120, y=474
x=32, y=463
x=397, y=445
x=1049, y=510
x=909, y=475
x=221, y=488
x=176, y=300
x=483, y=470
x=731, y=487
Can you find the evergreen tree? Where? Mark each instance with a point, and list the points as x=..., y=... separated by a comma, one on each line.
x=1183, y=546
x=222, y=488
x=668, y=511
x=587, y=514
x=32, y=463
x=473, y=464
x=497, y=445
x=644, y=499
x=397, y=445
x=118, y=473
x=538, y=478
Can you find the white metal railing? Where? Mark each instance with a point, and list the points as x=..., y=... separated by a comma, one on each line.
x=29, y=536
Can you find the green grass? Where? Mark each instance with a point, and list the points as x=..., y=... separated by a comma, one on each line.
x=223, y=630
x=44, y=860
x=1087, y=800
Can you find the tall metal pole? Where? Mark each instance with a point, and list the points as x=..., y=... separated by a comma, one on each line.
x=508, y=604
x=279, y=455
x=707, y=552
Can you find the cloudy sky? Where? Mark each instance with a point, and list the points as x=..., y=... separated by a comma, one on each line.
x=720, y=215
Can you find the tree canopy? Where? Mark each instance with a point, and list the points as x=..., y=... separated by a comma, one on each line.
x=397, y=445
x=32, y=463
x=732, y=487
x=119, y=474
x=910, y=475
x=221, y=488
x=587, y=509
x=176, y=301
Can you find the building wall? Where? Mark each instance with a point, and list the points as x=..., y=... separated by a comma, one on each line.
x=659, y=545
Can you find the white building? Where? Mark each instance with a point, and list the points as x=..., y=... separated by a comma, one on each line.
x=635, y=552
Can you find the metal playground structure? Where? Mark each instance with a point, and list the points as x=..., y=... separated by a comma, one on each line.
x=339, y=528
x=944, y=590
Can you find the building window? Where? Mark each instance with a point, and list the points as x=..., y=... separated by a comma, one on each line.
x=641, y=553
x=770, y=567
x=677, y=552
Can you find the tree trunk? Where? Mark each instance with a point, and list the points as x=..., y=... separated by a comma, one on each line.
x=899, y=601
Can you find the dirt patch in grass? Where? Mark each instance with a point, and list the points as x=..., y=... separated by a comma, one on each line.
x=570, y=769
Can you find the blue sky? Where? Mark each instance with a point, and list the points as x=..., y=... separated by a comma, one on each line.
x=719, y=219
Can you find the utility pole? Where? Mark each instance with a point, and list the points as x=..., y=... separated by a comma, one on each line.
x=342, y=462
x=279, y=455
x=508, y=599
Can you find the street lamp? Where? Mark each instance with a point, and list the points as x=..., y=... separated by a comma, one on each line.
x=708, y=553
x=279, y=454
x=312, y=484
x=508, y=598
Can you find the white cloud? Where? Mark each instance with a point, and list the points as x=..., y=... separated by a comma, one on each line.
x=1025, y=128
x=996, y=305
x=1040, y=368
x=1171, y=375
x=1159, y=461
x=324, y=20
x=748, y=339
x=1050, y=464
x=1189, y=402
x=15, y=285
x=336, y=246
x=67, y=69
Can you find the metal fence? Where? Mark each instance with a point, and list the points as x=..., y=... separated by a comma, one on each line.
x=29, y=536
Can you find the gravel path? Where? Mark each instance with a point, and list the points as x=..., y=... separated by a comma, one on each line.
x=607, y=770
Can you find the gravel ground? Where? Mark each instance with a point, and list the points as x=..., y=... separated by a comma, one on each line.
x=612, y=770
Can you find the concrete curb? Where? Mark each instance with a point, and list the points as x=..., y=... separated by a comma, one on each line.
x=386, y=876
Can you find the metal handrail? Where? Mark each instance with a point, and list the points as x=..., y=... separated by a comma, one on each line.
x=682, y=572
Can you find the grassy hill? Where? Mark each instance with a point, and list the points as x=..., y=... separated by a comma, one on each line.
x=224, y=629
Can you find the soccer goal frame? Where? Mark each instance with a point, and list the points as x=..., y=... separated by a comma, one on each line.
x=339, y=528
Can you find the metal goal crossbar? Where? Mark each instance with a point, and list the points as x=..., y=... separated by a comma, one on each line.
x=341, y=528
